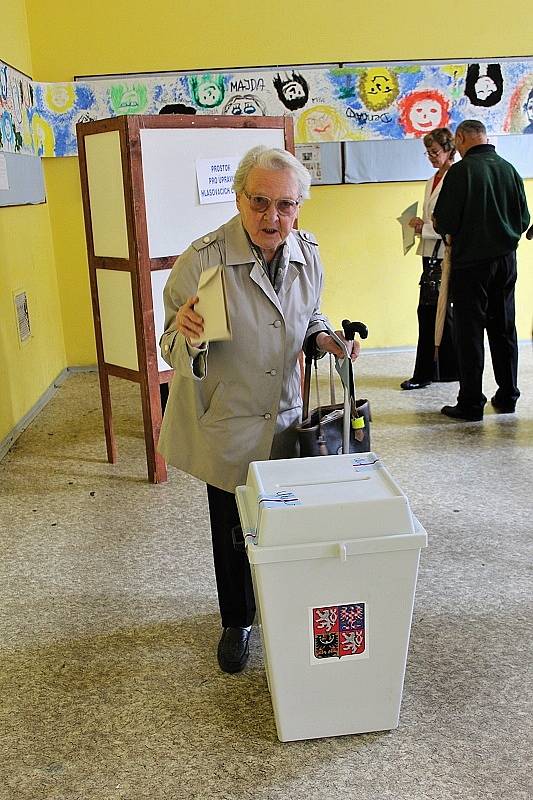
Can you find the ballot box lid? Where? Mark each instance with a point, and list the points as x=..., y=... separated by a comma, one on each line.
x=322, y=499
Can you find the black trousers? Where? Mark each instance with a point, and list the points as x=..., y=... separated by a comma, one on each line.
x=483, y=298
x=232, y=570
x=425, y=367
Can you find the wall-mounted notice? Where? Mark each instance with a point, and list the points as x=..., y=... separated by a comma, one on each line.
x=4, y=182
x=215, y=179
x=309, y=155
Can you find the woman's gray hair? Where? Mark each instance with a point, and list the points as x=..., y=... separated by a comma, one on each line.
x=275, y=159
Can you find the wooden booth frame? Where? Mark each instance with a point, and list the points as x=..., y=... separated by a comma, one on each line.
x=140, y=265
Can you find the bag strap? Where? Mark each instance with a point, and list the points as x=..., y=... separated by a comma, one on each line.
x=307, y=386
x=436, y=248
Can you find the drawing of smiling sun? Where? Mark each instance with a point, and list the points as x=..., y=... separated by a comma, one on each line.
x=378, y=88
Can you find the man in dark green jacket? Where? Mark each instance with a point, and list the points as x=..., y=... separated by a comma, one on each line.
x=482, y=207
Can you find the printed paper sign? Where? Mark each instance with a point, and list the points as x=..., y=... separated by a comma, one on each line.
x=4, y=181
x=215, y=179
x=309, y=155
x=339, y=631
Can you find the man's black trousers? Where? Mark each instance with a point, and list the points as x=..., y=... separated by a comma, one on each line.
x=483, y=298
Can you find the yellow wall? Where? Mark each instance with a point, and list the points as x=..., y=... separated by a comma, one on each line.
x=366, y=275
x=26, y=263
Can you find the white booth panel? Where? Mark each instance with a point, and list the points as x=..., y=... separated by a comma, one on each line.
x=159, y=278
x=174, y=214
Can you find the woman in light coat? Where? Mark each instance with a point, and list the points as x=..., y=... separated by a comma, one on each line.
x=440, y=150
x=236, y=401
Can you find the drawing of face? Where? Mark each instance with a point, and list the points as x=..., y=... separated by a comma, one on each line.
x=128, y=99
x=378, y=88
x=207, y=91
x=421, y=112
x=484, y=87
x=293, y=91
x=484, y=84
x=59, y=97
x=319, y=124
x=209, y=95
x=243, y=105
x=425, y=115
x=43, y=136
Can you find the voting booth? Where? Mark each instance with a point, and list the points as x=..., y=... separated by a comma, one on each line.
x=150, y=186
x=334, y=549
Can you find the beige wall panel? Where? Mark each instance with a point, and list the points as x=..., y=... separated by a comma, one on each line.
x=106, y=193
x=117, y=319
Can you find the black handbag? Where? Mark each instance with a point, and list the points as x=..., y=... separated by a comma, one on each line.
x=321, y=432
x=431, y=277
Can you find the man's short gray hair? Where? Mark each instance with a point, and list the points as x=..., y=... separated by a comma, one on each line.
x=275, y=159
x=471, y=127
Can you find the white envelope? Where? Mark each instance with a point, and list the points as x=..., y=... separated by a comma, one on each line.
x=212, y=304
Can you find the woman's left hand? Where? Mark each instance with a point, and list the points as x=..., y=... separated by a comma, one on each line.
x=326, y=343
x=417, y=224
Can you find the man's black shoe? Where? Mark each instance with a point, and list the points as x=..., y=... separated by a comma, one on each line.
x=502, y=408
x=456, y=412
x=233, y=650
x=411, y=384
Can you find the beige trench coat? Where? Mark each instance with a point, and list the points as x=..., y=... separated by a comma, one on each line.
x=231, y=405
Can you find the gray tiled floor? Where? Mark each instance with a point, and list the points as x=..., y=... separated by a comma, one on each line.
x=108, y=619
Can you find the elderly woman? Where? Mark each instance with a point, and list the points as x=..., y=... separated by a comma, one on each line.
x=233, y=402
x=440, y=150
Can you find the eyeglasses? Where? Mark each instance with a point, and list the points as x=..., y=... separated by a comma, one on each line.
x=284, y=206
x=433, y=154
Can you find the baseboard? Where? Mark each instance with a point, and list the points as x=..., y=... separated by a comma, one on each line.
x=8, y=441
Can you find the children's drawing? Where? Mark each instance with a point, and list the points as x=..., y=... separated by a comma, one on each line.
x=320, y=123
x=207, y=90
x=244, y=105
x=177, y=108
x=43, y=136
x=59, y=97
x=17, y=99
x=328, y=104
x=7, y=131
x=293, y=91
x=378, y=87
x=484, y=84
x=128, y=99
x=528, y=110
x=422, y=111
x=4, y=93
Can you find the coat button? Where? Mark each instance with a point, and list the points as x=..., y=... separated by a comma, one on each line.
x=206, y=239
x=277, y=323
x=268, y=416
x=166, y=348
x=273, y=372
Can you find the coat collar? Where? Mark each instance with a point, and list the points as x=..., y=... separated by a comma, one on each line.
x=238, y=250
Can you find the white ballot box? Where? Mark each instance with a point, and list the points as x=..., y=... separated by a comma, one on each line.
x=334, y=549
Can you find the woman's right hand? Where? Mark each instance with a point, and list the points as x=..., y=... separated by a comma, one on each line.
x=417, y=224
x=188, y=322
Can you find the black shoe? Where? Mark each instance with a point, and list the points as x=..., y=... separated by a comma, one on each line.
x=502, y=408
x=456, y=412
x=233, y=650
x=412, y=384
